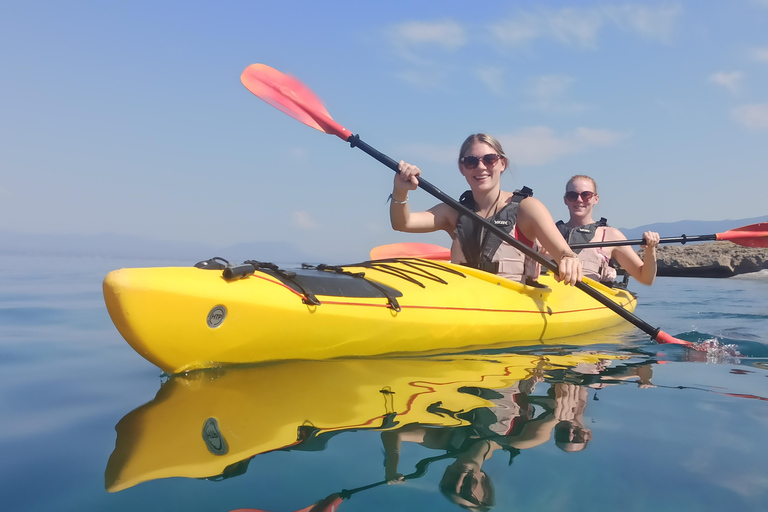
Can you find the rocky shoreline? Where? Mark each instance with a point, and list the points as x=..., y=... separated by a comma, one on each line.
x=715, y=259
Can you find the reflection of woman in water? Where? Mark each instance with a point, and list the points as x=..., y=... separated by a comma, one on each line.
x=509, y=426
x=570, y=433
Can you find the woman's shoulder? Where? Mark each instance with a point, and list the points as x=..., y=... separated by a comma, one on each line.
x=444, y=214
x=611, y=234
x=527, y=200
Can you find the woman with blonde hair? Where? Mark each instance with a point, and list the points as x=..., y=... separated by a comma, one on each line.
x=581, y=198
x=482, y=162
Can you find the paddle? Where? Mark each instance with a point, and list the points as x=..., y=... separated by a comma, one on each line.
x=754, y=235
x=292, y=97
x=411, y=250
x=331, y=502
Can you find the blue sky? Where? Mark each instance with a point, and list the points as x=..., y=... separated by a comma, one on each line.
x=129, y=117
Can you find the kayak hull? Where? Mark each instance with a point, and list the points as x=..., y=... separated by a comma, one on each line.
x=182, y=319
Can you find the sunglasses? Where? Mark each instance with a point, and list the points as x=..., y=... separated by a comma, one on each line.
x=574, y=196
x=572, y=434
x=467, y=490
x=471, y=162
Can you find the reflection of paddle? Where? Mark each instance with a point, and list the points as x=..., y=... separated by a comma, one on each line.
x=331, y=502
x=754, y=235
x=292, y=97
x=328, y=504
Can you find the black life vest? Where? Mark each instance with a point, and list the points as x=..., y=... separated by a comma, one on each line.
x=479, y=245
x=594, y=261
x=581, y=234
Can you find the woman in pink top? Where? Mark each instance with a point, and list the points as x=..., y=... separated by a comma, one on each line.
x=581, y=198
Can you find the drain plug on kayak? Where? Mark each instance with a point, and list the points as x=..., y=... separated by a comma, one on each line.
x=216, y=316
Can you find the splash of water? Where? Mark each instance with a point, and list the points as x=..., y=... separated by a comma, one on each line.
x=723, y=353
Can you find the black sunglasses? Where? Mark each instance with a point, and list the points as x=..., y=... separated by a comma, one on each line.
x=471, y=162
x=467, y=489
x=573, y=196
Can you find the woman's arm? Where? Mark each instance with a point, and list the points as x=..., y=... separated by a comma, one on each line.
x=391, y=441
x=438, y=217
x=644, y=271
x=535, y=222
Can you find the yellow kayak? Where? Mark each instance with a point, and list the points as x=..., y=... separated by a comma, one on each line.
x=209, y=424
x=182, y=319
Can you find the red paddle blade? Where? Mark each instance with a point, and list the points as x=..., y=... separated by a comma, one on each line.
x=754, y=235
x=289, y=95
x=411, y=250
x=712, y=347
x=663, y=337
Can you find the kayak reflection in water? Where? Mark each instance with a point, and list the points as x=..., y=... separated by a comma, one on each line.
x=511, y=425
x=482, y=162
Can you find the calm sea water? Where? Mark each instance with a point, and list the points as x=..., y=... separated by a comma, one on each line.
x=88, y=425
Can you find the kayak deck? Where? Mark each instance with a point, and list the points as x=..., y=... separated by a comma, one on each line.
x=183, y=318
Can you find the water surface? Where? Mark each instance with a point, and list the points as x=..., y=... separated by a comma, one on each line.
x=91, y=426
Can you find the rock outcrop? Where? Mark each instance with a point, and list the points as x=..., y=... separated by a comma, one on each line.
x=716, y=259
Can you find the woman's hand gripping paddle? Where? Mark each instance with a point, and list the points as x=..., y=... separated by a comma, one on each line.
x=291, y=96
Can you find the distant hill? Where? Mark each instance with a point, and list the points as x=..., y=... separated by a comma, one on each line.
x=133, y=247
x=690, y=227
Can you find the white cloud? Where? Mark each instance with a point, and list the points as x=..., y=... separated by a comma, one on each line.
x=298, y=153
x=752, y=116
x=570, y=26
x=731, y=81
x=550, y=87
x=574, y=26
x=412, y=40
x=582, y=27
x=432, y=153
x=518, y=31
x=493, y=78
x=534, y=145
x=421, y=79
x=539, y=145
x=759, y=54
x=549, y=92
x=304, y=220
x=595, y=137
x=445, y=34
x=654, y=23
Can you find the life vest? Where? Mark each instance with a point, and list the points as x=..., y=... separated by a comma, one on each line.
x=595, y=263
x=484, y=250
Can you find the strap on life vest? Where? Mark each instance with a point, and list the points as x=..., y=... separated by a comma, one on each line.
x=478, y=245
x=580, y=234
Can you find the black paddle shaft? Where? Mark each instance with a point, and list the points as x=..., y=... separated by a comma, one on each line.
x=355, y=141
x=670, y=240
